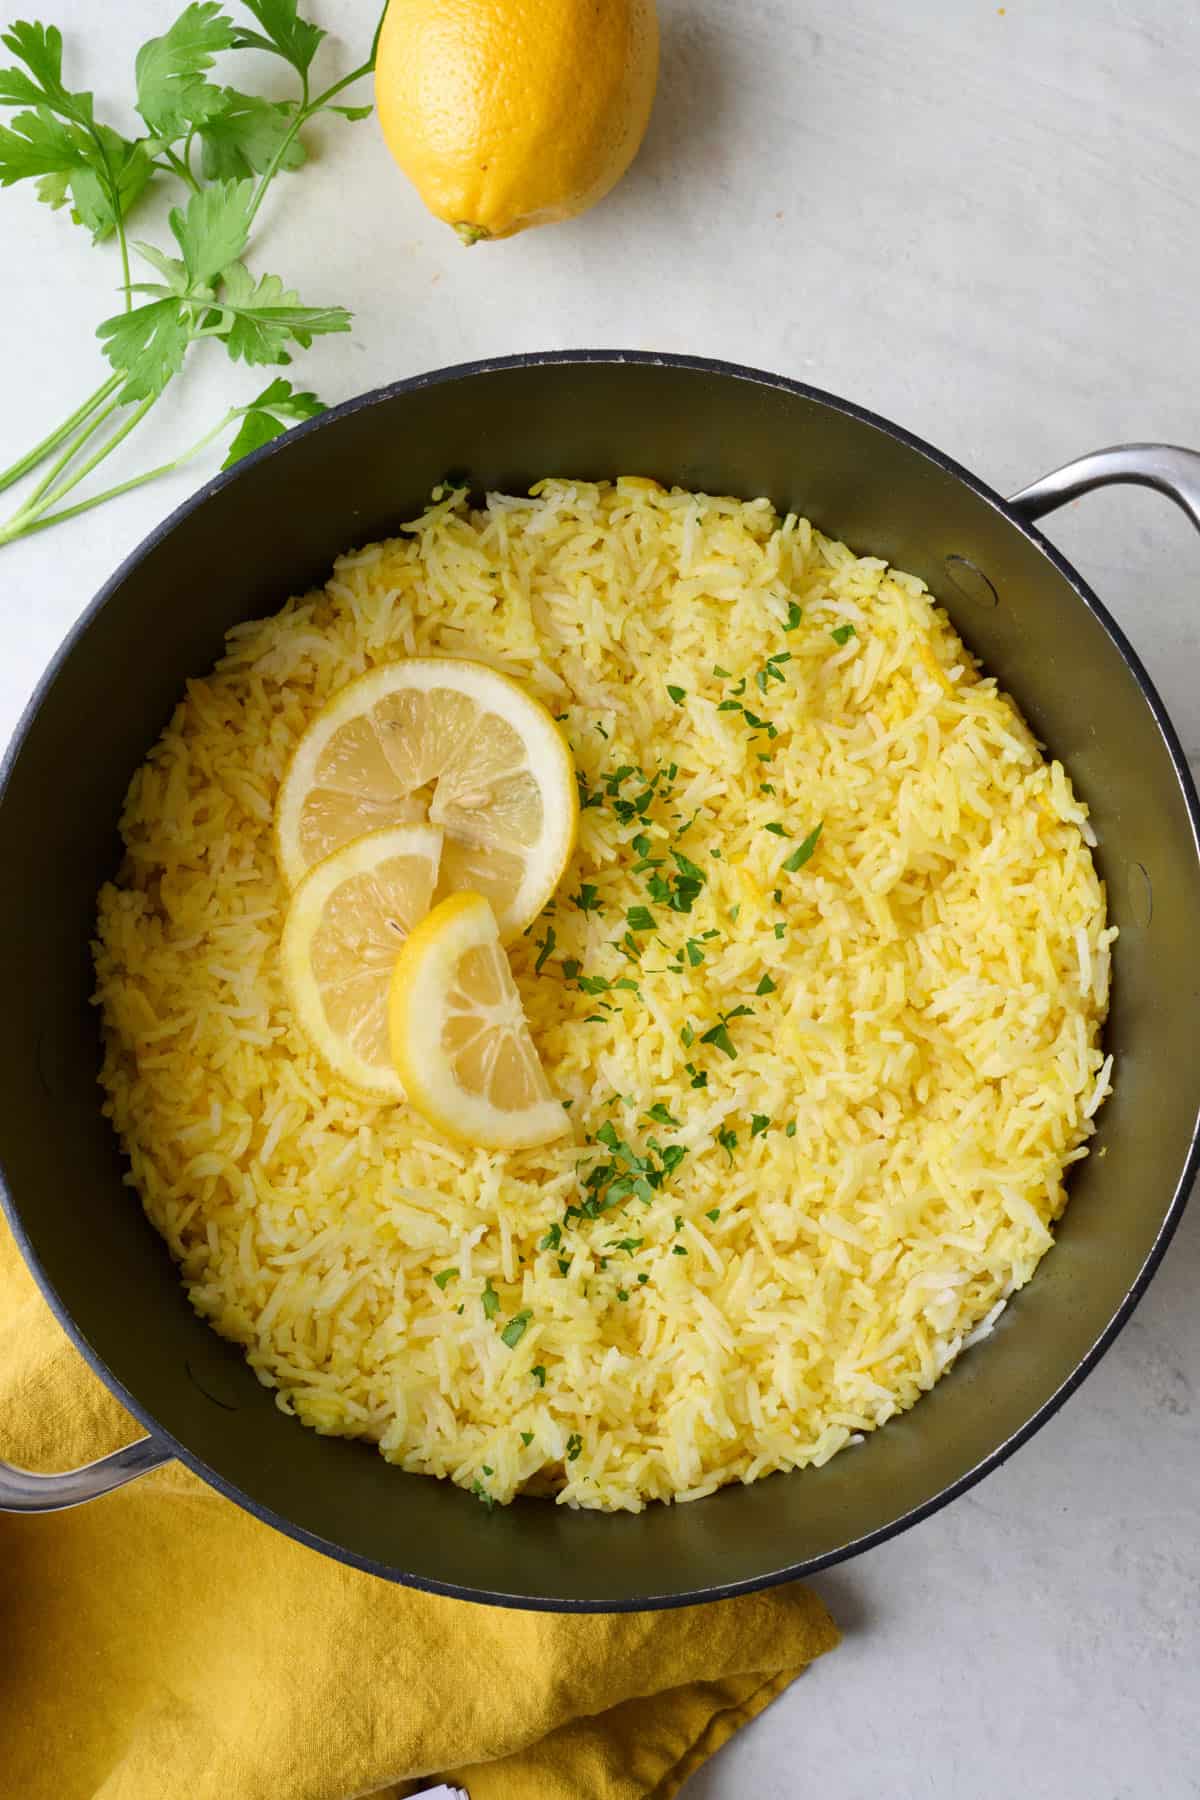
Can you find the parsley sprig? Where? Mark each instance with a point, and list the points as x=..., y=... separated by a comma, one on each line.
x=224, y=148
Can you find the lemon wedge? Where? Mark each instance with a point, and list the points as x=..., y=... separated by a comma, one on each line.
x=451, y=742
x=347, y=920
x=460, y=1039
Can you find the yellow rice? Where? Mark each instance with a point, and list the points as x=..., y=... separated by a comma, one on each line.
x=926, y=994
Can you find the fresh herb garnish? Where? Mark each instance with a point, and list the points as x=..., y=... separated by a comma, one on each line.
x=545, y=949
x=491, y=1300
x=514, y=1331
x=202, y=287
x=794, y=616
x=539, y=1374
x=527, y=1438
x=661, y=1116
x=727, y=1138
x=758, y=1124
x=677, y=693
x=640, y=918
x=481, y=1493
x=841, y=634
x=719, y=1035
x=802, y=852
x=766, y=986
x=714, y=1214
x=445, y=1277
x=574, y=1446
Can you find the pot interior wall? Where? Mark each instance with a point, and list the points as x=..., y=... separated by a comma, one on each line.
x=272, y=530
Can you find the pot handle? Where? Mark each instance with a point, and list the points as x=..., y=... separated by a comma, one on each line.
x=21, y=1491
x=1168, y=468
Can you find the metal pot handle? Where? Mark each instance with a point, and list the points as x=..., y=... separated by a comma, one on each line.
x=22, y=1491
x=1168, y=468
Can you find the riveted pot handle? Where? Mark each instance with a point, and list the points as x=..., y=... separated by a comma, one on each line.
x=1168, y=468
x=22, y=1491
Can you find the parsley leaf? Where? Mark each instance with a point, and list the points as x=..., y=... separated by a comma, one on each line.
x=514, y=1331
x=794, y=615
x=766, y=986
x=640, y=918
x=278, y=407
x=677, y=694
x=661, y=1116
x=727, y=1138
x=244, y=136
x=719, y=1035
x=758, y=1124
x=587, y=899
x=842, y=634
x=264, y=316
x=539, y=1374
x=527, y=1438
x=574, y=1446
x=802, y=852
x=147, y=345
x=491, y=1300
x=545, y=948
x=714, y=1214
x=172, y=94
x=213, y=230
x=287, y=34
x=445, y=1277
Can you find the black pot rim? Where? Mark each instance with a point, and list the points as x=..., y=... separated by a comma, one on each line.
x=809, y=1566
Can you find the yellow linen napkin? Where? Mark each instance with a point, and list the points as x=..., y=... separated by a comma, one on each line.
x=162, y=1642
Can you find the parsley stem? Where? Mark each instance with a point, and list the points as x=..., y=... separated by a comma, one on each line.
x=304, y=112
x=23, y=527
x=48, y=444
x=181, y=167
x=68, y=455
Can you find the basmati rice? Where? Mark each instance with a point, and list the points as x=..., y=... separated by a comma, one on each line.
x=913, y=1000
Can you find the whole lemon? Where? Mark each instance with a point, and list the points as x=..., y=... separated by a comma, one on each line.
x=511, y=113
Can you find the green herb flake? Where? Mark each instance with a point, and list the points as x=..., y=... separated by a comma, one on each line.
x=539, y=1374
x=677, y=694
x=514, y=1331
x=640, y=918
x=758, y=1124
x=587, y=899
x=481, y=1494
x=678, y=1249
x=687, y=1037
x=790, y=1128
x=766, y=986
x=721, y=674
x=719, y=1035
x=622, y=1293
x=545, y=949
x=802, y=852
x=445, y=1277
x=527, y=1438
x=841, y=634
x=727, y=1138
x=775, y=827
x=660, y=1114
x=780, y=930
x=491, y=1300
x=794, y=616
x=714, y=1214
x=574, y=1446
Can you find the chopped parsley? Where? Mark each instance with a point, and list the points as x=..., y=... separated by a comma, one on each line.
x=727, y=1138
x=545, y=949
x=527, y=1438
x=659, y=1113
x=719, y=1035
x=687, y=1037
x=794, y=615
x=491, y=1300
x=775, y=826
x=766, y=986
x=481, y=1494
x=445, y=1277
x=622, y=1293
x=790, y=1128
x=587, y=899
x=841, y=634
x=714, y=1214
x=539, y=1374
x=640, y=918
x=758, y=1124
x=514, y=1331
x=574, y=1446
x=677, y=693
x=678, y=1249
x=802, y=852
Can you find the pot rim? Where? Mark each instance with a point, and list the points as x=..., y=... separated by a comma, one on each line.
x=741, y=372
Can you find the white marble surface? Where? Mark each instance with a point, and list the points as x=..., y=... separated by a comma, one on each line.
x=981, y=222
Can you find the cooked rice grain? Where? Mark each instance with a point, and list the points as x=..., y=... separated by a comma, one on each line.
x=931, y=1042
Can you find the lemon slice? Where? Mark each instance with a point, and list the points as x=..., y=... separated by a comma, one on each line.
x=347, y=920
x=452, y=742
x=459, y=1036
